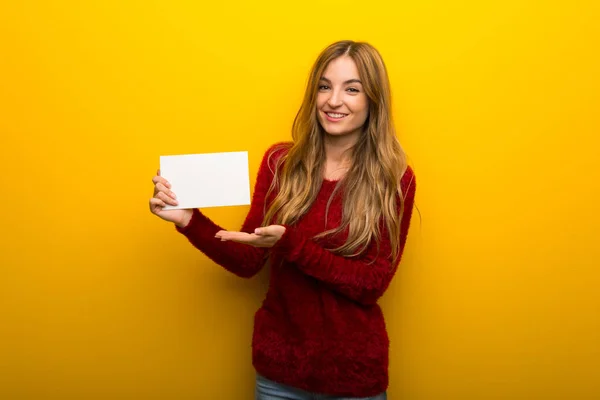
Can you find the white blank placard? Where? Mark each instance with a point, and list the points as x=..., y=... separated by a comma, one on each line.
x=208, y=180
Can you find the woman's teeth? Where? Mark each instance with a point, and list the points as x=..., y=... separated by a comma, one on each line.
x=334, y=115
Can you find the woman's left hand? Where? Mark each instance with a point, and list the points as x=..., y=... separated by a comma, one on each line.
x=266, y=236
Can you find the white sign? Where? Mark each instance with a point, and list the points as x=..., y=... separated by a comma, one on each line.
x=207, y=180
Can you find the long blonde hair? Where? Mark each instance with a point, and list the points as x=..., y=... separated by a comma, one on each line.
x=372, y=184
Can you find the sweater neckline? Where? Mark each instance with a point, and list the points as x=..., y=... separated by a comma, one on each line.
x=331, y=181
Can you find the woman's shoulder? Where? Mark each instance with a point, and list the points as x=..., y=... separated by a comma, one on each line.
x=408, y=181
x=409, y=174
x=279, y=147
x=275, y=152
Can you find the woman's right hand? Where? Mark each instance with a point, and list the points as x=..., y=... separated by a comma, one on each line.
x=164, y=196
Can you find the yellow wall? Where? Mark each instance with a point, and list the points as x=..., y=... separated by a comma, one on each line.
x=498, y=107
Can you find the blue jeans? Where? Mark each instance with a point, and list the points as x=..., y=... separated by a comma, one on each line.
x=269, y=390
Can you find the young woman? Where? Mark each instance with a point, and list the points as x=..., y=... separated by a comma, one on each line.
x=331, y=212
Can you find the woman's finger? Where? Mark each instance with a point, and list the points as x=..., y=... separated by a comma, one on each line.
x=271, y=230
x=159, y=179
x=163, y=196
x=251, y=239
x=154, y=202
x=162, y=188
x=241, y=237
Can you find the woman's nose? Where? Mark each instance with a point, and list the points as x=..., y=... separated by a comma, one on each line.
x=334, y=100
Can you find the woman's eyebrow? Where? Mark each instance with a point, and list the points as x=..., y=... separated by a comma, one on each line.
x=347, y=82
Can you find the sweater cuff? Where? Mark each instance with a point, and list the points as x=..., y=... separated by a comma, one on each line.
x=197, y=216
x=290, y=244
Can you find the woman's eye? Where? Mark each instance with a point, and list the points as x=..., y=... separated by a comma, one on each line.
x=353, y=90
x=323, y=87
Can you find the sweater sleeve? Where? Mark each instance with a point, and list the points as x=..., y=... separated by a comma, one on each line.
x=242, y=260
x=363, y=279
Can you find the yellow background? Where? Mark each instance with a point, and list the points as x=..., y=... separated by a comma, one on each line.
x=498, y=107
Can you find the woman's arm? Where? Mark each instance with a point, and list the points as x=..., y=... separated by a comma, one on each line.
x=363, y=280
x=242, y=260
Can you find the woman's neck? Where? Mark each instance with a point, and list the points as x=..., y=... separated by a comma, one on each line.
x=338, y=155
x=337, y=148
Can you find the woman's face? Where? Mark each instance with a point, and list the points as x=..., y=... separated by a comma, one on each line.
x=342, y=105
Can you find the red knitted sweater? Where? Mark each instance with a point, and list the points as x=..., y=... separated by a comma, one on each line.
x=319, y=327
